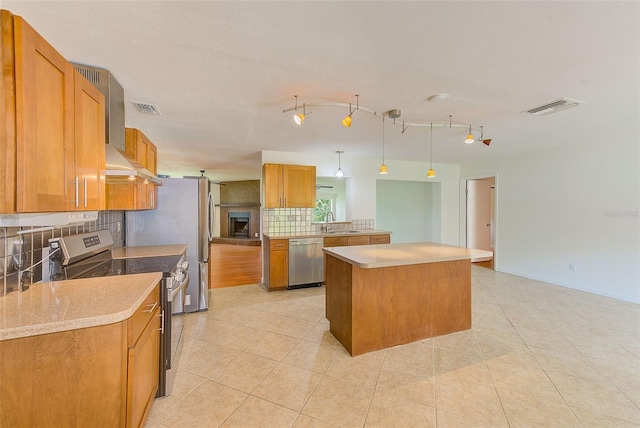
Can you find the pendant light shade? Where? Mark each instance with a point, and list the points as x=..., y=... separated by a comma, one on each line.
x=383, y=168
x=339, y=172
x=469, y=138
x=431, y=173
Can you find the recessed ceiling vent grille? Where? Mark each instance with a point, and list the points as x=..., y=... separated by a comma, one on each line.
x=92, y=75
x=146, y=108
x=555, y=106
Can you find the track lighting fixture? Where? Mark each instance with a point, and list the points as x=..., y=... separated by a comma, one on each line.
x=431, y=173
x=387, y=115
x=298, y=118
x=347, y=120
x=339, y=172
x=383, y=168
x=470, y=138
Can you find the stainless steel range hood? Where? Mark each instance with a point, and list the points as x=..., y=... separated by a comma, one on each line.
x=117, y=164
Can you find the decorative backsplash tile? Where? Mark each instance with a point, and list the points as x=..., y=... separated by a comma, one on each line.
x=287, y=220
x=19, y=251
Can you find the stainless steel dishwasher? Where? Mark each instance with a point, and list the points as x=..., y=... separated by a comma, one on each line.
x=306, y=262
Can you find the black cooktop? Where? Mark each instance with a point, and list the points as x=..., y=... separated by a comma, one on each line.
x=99, y=267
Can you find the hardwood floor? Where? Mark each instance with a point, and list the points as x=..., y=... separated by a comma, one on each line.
x=231, y=265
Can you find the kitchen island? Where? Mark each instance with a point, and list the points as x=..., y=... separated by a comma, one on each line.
x=379, y=296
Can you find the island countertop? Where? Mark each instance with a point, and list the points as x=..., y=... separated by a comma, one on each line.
x=386, y=255
x=149, y=251
x=50, y=307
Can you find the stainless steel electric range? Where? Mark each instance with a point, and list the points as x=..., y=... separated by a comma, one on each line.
x=89, y=255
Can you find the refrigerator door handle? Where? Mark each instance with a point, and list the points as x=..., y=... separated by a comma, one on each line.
x=211, y=216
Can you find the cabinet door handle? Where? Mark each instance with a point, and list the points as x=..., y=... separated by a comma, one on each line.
x=153, y=199
x=85, y=192
x=161, y=329
x=152, y=307
x=77, y=191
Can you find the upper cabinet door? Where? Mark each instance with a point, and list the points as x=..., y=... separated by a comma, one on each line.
x=272, y=185
x=299, y=186
x=44, y=83
x=89, y=144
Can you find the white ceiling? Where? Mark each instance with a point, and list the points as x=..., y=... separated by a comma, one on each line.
x=222, y=72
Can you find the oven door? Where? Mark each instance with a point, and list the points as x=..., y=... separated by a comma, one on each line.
x=173, y=329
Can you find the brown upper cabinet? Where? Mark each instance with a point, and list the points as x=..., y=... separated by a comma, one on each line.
x=289, y=186
x=53, y=132
x=123, y=194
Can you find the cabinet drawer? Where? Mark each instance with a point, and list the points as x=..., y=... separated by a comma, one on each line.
x=279, y=244
x=358, y=240
x=142, y=315
x=336, y=241
x=379, y=239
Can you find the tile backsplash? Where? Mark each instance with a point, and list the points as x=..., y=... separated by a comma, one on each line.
x=297, y=221
x=19, y=251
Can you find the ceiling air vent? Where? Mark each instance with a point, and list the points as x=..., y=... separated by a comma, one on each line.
x=552, y=107
x=146, y=108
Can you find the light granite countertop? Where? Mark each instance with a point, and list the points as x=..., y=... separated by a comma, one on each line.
x=50, y=307
x=149, y=251
x=323, y=234
x=387, y=255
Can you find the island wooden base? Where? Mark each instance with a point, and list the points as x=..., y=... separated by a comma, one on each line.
x=377, y=308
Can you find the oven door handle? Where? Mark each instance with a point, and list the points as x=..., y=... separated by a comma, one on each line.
x=176, y=290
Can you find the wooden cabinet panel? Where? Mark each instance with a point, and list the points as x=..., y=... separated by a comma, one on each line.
x=53, y=135
x=135, y=195
x=142, y=372
x=379, y=239
x=299, y=186
x=272, y=185
x=336, y=241
x=44, y=85
x=358, y=240
x=89, y=143
x=289, y=186
x=279, y=272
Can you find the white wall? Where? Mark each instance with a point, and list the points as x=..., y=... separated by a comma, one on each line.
x=407, y=208
x=363, y=175
x=576, y=205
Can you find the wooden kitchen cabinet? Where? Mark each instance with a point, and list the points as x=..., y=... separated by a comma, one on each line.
x=54, y=125
x=276, y=263
x=124, y=194
x=103, y=376
x=335, y=241
x=289, y=186
x=379, y=239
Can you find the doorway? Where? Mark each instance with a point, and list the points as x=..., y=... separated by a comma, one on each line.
x=479, y=214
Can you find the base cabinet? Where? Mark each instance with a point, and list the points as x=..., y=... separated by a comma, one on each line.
x=104, y=376
x=276, y=263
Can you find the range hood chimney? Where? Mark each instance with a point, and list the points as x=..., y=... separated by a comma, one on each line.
x=117, y=164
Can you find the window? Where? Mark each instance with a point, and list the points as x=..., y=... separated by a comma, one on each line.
x=324, y=204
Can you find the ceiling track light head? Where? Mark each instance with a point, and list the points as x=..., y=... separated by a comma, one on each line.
x=470, y=139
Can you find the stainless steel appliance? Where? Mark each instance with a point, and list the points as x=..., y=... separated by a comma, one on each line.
x=88, y=255
x=306, y=262
x=184, y=216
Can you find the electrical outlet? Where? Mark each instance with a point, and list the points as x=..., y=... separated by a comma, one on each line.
x=187, y=300
x=291, y=218
x=573, y=268
x=118, y=226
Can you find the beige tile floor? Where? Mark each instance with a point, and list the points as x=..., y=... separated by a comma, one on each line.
x=538, y=355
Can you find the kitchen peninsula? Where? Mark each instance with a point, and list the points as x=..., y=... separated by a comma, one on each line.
x=379, y=296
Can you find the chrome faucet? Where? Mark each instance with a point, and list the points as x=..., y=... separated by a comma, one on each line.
x=327, y=226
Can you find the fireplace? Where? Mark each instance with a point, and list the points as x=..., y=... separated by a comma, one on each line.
x=239, y=224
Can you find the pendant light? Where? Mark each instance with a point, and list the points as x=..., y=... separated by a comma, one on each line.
x=347, y=120
x=298, y=118
x=383, y=168
x=339, y=172
x=431, y=173
x=470, y=138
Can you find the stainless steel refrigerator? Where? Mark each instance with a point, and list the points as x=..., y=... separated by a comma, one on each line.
x=184, y=215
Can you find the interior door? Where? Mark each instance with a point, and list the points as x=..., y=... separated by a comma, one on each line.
x=479, y=213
